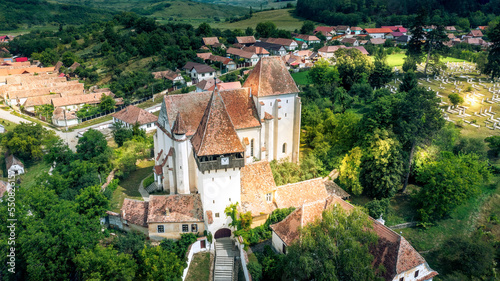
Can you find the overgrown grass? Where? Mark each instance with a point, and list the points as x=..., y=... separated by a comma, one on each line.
x=91, y=122
x=129, y=187
x=32, y=172
x=199, y=268
x=301, y=78
x=9, y=126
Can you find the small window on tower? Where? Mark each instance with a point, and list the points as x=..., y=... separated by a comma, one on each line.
x=269, y=197
x=284, y=147
x=217, y=215
x=251, y=147
x=285, y=114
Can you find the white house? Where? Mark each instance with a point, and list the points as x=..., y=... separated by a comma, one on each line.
x=273, y=49
x=329, y=51
x=198, y=71
x=205, y=139
x=14, y=166
x=400, y=260
x=376, y=32
x=131, y=115
x=288, y=44
x=64, y=118
x=249, y=57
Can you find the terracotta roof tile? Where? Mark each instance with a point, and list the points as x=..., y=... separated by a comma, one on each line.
x=270, y=77
x=408, y=257
x=226, y=86
x=179, y=127
x=12, y=160
x=206, y=85
x=167, y=74
x=245, y=39
x=175, y=208
x=240, y=53
x=256, y=181
x=256, y=50
x=328, y=29
x=279, y=41
x=4, y=187
x=428, y=276
x=307, y=37
x=377, y=41
x=209, y=41
x=133, y=114
x=61, y=114
x=210, y=218
x=216, y=134
x=135, y=212
x=192, y=106
x=40, y=100
x=268, y=116
x=378, y=30
x=330, y=49
x=204, y=56
x=93, y=98
x=296, y=194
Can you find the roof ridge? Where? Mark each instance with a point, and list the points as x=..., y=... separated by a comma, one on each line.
x=309, y=180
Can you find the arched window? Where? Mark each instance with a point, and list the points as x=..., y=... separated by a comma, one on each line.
x=251, y=147
x=284, y=147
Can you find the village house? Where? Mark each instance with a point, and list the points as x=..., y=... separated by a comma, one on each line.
x=475, y=33
x=225, y=64
x=377, y=41
x=342, y=29
x=132, y=115
x=450, y=28
x=400, y=260
x=361, y=49
x=213, y=42
x=174, y=76
x=327, y=31
x=288, y=44
x=355, y=30
x=302, y=45
x=75, y=102
x=259, y=51
x=245, y=40
x=351, y=41
x=329, y=51
x=309, y=39
x=205, y=85
x=14, y=166
x=249, y=58
x=273, y=49
x=64, y=118
x=199, y=71
x=376, y=32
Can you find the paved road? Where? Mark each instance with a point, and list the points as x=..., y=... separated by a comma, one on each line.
x=69, y=137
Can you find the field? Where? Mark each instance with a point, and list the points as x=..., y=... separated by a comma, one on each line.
x=255, y=4
x=301, y=78
x=398, y=59
x=283, y=19
x=199, y=269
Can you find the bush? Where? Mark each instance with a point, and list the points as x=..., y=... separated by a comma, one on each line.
x=147, y=181
x=255, y=270
x=378, y=207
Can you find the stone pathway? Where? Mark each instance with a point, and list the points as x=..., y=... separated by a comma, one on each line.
x=143, y=192
x=224, y=259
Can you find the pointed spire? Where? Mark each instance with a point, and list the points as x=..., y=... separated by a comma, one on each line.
x=216, y=134
x=179, y=127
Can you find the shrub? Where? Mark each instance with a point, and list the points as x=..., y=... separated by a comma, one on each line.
x=148, y=181
x=378, y=207
x=255, y=270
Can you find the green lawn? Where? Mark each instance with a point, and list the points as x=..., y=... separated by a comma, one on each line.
x=129, y=187
x=7, y=124
x=199, y=268
x=32, y=172
x=283, y=19
x=301, y=77
x=398, y=59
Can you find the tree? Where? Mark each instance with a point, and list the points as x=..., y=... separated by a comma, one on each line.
x=105, y=263
x=352, y=66
x=125, y=157
x=419, y=119
x=323, y=74
x=204, y=30
x=409, y=82
x=455, y=99
x=122, y=134
x=434, y=44
x=494, y=144
x=447, y=183
x=463, y=24
x=349, y=171
x=107, y=103
x=28, y=140
x=155, y=263
x=493, y=65
x=473, y=258
x=382, y=72
x=334, y=248
x=265, y=29
x=92, y=202
x=68, y=58
x=91, y=145
x=381, y=166
x=414, y=53
x=307, y=27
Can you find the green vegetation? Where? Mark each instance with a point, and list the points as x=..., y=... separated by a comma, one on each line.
x=129, y=188
x=301, y=78
x=199, y=269
x=282, y=18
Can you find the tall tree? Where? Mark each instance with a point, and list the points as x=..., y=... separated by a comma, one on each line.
x=334, y=248
x=105, y=263
x=434, y=45
x=493, y=65
x=419, y=118
x=415, y=45
x=349, y=171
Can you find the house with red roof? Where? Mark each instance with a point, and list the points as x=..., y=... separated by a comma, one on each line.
x=132, y=115
x=376, y=32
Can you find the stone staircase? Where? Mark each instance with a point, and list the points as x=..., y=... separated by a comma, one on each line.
x=152, y=187
x=224, y=260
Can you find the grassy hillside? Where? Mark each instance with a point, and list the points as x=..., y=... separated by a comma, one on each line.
x=255, y=4
x=178, y=10
x=283, y=19
x=15, y=14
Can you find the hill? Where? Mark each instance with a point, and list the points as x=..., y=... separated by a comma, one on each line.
x=16, y=13
x=282, y=18
x=178, y=10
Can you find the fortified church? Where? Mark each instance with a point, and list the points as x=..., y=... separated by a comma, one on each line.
x=204, y=139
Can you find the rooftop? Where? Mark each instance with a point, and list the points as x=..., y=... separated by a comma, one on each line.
x=175, y=208
x=256, y=181
x=135, y=212
x=270, y=77
x=133, y=114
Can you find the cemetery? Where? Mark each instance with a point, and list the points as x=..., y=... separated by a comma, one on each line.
x=478, y=113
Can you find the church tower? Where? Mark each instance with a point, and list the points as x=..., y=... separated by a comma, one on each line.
x=219, y=156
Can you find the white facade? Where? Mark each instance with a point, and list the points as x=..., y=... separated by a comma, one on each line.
x=202, y=76
x=377, y=35
x=145, y=127
x=65, y=123
x=415, y=274
x=278, y=244
x=15, y=170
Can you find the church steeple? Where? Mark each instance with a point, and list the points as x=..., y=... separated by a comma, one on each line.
x=216, y=139
x=179, y=127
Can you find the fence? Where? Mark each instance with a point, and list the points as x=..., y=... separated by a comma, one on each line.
x=193, y=249
x=114, y=110
x=404, y=225
x=243, y=258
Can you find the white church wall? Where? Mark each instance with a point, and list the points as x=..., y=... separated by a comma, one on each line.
x=409, y=275
x=251, y=134
x=218, y=190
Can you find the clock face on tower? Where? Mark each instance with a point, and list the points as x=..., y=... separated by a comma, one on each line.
x=224, y=160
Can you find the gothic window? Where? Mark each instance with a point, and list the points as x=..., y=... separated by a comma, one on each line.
x=161, y=229
x=185, y=228
x=251, y=147
x=284, y=147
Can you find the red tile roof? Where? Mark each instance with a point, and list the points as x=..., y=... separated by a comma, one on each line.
x=245, y=39
x=279, y=41
x=216, y=134
x=238, y=103
x=296, y=194
x=226, y=86
x=209, y=41
x=179, y=127
x=330, y=49
x=240, y=53
x=476, y=33
x=62, y=114
x=11, y=160
x=328, y=29
x=256, y=50
x=175, y=208
x=307, y=37
x=378, y=30
x=270, y=77
x=135, y=212
x=256, y=181
x=204, y=56
x=133, y=114
x=4, y=187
